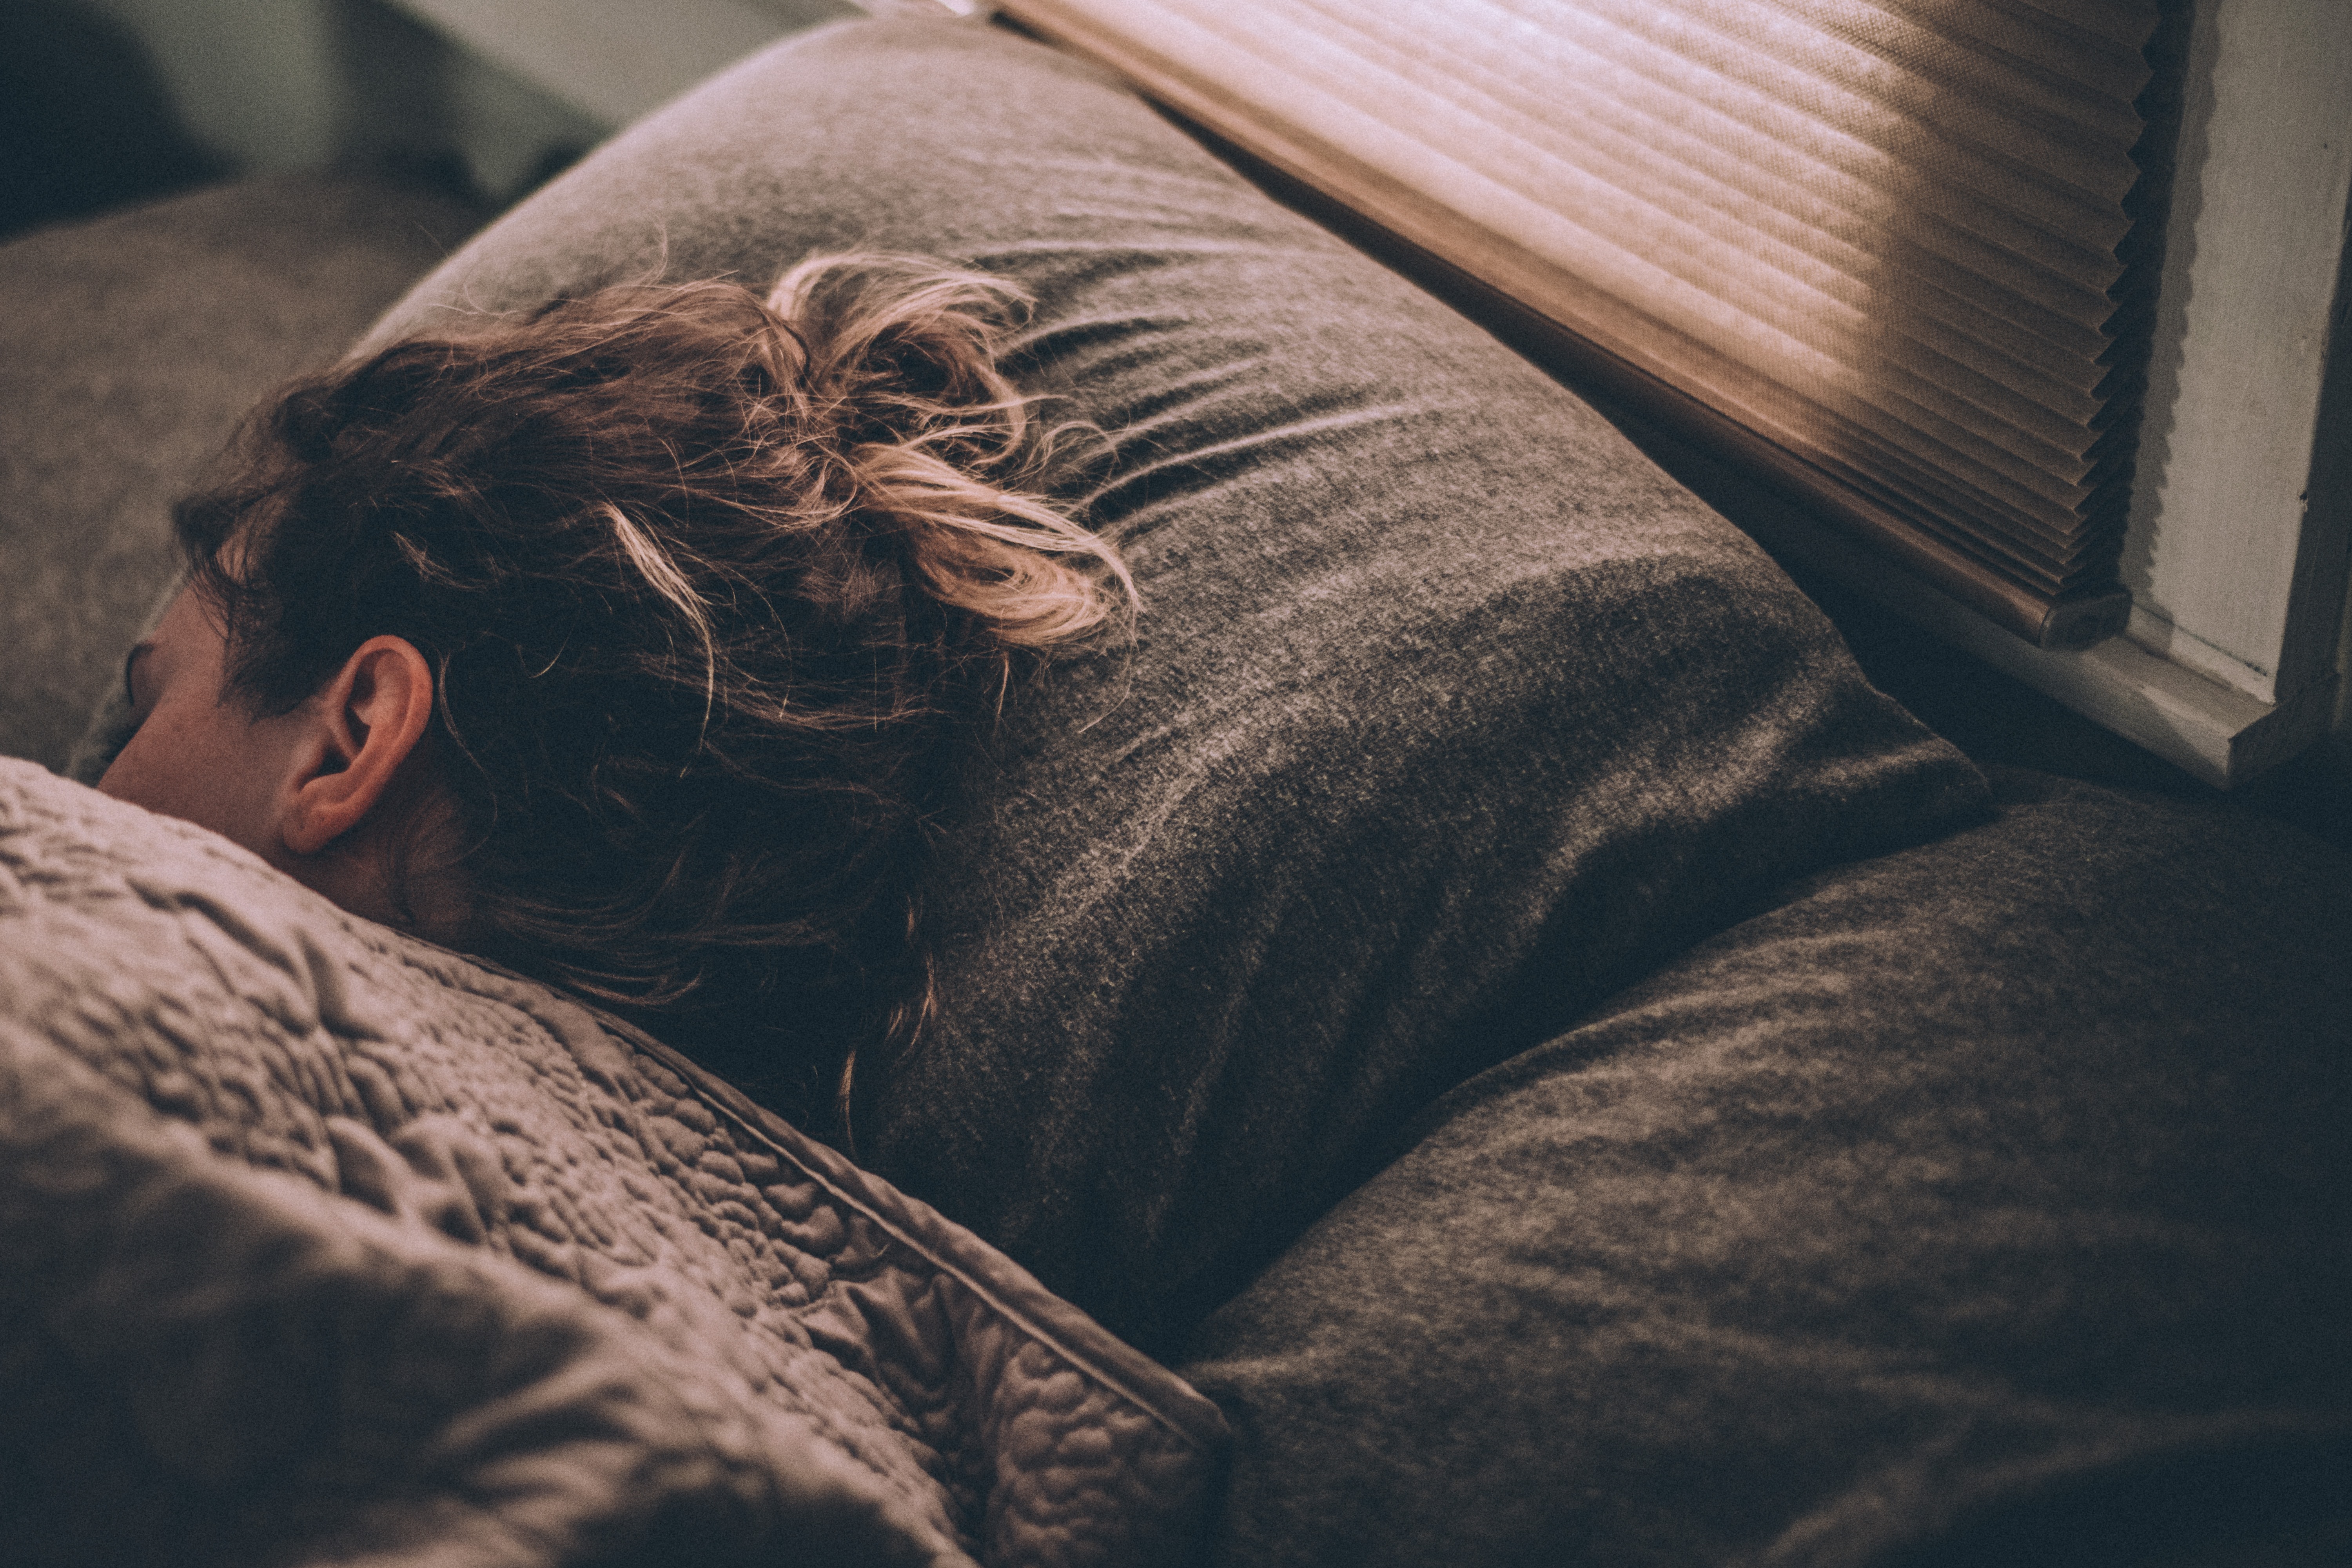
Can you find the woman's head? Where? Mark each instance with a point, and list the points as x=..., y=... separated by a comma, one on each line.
x=702, y=593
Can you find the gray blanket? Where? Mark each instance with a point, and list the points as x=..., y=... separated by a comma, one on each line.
x=319, y=1243
x=1984, y=1203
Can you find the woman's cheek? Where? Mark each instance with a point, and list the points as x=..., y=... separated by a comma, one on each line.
x=202, y=762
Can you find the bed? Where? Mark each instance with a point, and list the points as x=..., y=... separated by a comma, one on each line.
x=1478, y=1036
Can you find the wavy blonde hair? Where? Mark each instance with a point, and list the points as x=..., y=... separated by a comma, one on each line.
x=716, y=590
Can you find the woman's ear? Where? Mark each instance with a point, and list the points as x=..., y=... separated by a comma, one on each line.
x=362, y=725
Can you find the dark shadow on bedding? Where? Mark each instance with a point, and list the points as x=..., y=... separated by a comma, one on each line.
x=1975, y=1180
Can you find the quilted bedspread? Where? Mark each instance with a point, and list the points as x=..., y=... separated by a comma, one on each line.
x=319, y=1243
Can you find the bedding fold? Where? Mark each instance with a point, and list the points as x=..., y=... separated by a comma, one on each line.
x=326, y=1245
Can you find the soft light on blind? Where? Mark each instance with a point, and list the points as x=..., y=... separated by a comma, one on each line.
x=1883, y=239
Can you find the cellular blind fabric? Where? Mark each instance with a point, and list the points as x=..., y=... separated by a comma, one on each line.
x=1881, y=244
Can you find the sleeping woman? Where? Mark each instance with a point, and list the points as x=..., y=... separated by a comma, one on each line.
x=636, y=644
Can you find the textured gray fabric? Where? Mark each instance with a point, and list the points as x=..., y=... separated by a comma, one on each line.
x=1440, y=687
x=1941, y=1190
x=1988, y=1202
x=129, y=346
x=321, y=1244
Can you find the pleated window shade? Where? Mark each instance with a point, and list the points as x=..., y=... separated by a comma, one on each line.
x=1881, y=246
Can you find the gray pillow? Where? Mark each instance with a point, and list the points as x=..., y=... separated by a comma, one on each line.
x=1448, y=714
x=1986, y=1203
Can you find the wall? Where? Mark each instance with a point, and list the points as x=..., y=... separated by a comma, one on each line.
x=295, y=84
x=618, y=58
